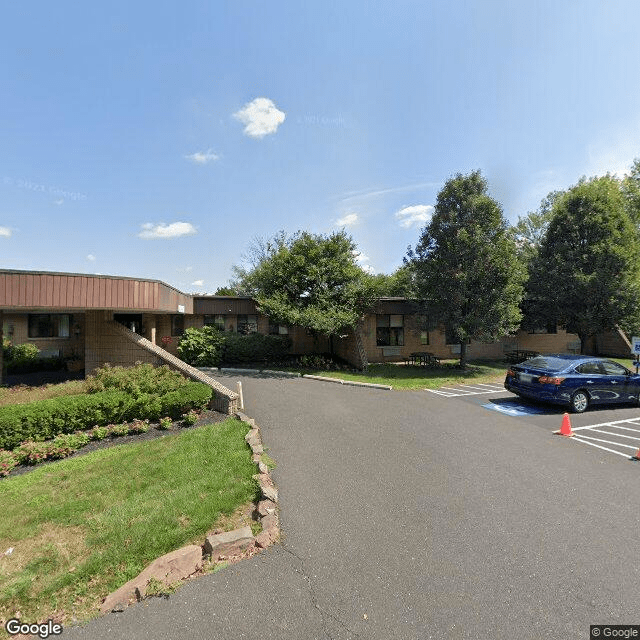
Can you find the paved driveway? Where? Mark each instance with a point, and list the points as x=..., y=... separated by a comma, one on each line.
x=412, y=515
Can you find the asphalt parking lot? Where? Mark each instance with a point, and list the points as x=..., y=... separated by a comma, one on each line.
x=614, y=430
x=416, y=515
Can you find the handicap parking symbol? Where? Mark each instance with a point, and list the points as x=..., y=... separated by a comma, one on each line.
x=514, y=409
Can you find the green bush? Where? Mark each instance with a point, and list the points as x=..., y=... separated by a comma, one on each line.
x=45, y=419
x=23, y=358
x=138, y=380
x=8, y=461
x=98, y=433
x=165, y=423
x=139, y=426
x=255, y=347
x=202, y=347
x=190, y=418
x=116, y=430
x=18, y=354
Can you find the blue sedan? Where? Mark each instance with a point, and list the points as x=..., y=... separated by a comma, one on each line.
x=576, y=381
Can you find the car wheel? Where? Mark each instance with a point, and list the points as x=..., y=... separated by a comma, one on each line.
x=579, y=402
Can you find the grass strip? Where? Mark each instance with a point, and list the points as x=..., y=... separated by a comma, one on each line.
x=408, y=378
x=82, y=527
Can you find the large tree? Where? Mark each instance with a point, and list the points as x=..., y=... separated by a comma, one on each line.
x=312, y=281
x=586, y=274
x=530, y=230
x=466, y=272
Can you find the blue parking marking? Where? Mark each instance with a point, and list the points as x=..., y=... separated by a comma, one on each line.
x=515, y=409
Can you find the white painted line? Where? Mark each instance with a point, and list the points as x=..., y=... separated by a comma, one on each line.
x=491, y=386
x=618, y=444
x=617, y=435
x=613, y=426
x=577, y=439
x=606, y=424
x=483, y=388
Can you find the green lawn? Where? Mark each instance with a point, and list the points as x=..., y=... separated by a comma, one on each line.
x=410, y=378
x=82, y=527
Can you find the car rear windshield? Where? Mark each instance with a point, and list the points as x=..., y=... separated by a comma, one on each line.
x=547, y=363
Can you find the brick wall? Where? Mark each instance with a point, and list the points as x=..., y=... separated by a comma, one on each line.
x=613, y=344
x=104, y=344
x=545, y=343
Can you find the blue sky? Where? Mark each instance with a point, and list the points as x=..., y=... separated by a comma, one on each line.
x=157, y=139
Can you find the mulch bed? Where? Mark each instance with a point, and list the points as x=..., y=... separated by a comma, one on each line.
x=206, y=417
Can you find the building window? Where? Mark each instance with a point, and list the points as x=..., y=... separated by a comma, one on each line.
x=177, y=325
x=389, y=330
x=451, y=338
x=424, y=337
x=49, y=325
x=247, y=324
x=278, y=330
x=216, y=321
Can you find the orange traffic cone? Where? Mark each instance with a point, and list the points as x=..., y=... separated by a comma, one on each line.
x=637, y=456
x=565, y=429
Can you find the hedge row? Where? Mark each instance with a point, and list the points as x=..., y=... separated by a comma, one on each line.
x=45, y=419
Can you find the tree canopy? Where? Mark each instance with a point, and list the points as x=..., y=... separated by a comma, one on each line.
x=465, y=268
x=309, y=280
x=586, y=274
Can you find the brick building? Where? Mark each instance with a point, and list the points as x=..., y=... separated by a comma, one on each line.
x=97, y=319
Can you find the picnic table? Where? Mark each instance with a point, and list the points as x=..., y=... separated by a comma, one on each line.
x=422, y=358
x=519, y=355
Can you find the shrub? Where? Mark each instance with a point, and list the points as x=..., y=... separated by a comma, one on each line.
x=190, y=418
x=139, y=426
x=45, y=419
x=116, y=430
x=139, y=380
x=31, y=452
x=165, y=423
x=98, y=433
x=7, y=462
x=202, y=347
x=255, y=348
x=19, y=354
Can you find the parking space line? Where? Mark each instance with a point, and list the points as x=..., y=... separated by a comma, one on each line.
x=608, y=424
x=450, y=392
x=617, y=435
x=618, y=444
x=593, y=444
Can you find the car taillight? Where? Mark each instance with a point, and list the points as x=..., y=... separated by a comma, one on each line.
x=550, y=380
x=511, y=373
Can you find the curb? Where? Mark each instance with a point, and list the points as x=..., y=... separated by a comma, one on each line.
x=288, y=374
x=228, y=546
x=352, y=383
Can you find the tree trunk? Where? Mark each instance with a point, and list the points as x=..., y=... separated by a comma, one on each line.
x=463, y=354
x=583, y=342
x=361, y=351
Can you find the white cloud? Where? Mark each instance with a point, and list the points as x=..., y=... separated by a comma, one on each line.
x=261, y=117
x=59, y=202
x=203, y=157
x=362, y=260
x=415, y=215
x=5, y=232
x=91, y=257
x=197, y=283
x=174, y=230
x=347, y=220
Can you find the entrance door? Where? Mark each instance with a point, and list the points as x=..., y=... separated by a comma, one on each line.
x=132, y=321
